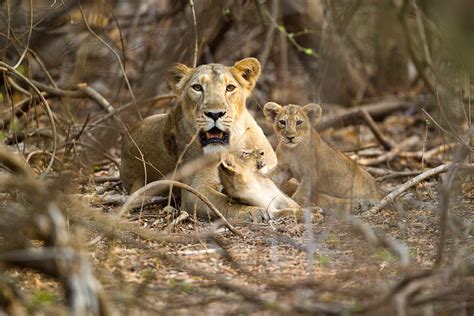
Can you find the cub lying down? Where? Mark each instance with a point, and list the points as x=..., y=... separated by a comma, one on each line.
x=327, y=177
x=241, y=178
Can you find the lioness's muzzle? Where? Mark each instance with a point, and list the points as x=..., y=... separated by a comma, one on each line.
x=214, y=136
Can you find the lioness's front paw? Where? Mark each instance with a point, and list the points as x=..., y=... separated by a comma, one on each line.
x=258, y=215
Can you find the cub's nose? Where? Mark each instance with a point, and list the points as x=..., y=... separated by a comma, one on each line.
x=214, y=115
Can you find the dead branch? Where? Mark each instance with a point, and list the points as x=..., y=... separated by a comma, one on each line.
x=404, y=187
x=116, y=55
x=116, y=111
x=196, y=38
x=375, y=110
x=399, y=174
x=384, y=140
x=391, y=154
x=57, y=258
x=5, y=67
x=430, y=153
x=160, y=183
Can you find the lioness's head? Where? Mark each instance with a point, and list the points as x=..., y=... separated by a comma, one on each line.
x=292, y=123
x=213, y=96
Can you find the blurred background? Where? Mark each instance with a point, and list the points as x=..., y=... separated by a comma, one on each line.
x=341, y=53
x=75, y=74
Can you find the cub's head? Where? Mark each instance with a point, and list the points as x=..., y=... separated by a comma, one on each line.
x=238, y=166
x=213, y=97
x=292, y=123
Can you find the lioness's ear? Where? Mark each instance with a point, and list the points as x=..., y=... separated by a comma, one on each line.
x=271, y=111
x=249, y=70
x=313, y=112
x=175, y=76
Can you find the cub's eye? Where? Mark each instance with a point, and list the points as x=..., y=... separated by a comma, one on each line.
x=245, y=154
x=262, y=153
x=196, y=87
x=230, y=88
x=282, y=122
x=299, y=122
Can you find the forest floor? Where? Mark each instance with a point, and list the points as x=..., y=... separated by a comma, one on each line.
x=277, y=267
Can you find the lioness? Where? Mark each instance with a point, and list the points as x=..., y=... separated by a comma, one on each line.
x=211, y=110
x=327, y=177
x=241, y=178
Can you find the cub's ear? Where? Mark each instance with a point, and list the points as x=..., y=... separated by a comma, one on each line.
x=176, y=75
x=247, y=72
x=228, y=163
x=271, y=111
x=313, y=112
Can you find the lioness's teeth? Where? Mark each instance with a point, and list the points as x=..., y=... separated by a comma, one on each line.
x=220, y=135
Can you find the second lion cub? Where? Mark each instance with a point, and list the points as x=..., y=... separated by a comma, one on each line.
x=327, y=177
x=241, y=178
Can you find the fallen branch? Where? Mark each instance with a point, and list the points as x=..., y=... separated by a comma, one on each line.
x=376, y=110
x=391, y=154
x=404, y=187
x=385, y=141
x=155, y=184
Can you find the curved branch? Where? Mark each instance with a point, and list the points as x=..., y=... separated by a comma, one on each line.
x=155, y=184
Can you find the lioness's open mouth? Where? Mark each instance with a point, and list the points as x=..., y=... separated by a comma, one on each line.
x=214, y=136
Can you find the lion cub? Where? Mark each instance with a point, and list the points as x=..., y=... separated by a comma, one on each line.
x=327, y=177
x=241, y=176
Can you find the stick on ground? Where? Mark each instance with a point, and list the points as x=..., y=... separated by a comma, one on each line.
x=404, y=187
x=160, y=183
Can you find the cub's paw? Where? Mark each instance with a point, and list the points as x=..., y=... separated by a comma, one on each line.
x=363, y=205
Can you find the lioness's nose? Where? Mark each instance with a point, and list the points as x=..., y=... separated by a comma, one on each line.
x=290, y=138
x=214, y=115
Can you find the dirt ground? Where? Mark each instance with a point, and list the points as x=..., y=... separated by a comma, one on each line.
x=280, y=267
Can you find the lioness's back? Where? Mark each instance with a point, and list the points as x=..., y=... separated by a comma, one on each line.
x=147, y=135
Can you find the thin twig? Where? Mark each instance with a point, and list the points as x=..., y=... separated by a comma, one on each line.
x=122, y=68
x=160, y=183
x=8, y=68
x=196, y=38
x=30, y=31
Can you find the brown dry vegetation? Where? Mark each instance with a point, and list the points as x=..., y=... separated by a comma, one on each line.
x=395, y=82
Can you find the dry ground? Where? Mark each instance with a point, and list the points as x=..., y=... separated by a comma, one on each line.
x=275, y=267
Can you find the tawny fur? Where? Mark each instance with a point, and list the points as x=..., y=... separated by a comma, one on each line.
x=327, y=177
x=241, y=178
x=162, y=138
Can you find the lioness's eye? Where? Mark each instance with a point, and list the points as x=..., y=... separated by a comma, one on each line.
x=299, y=122
x=197, y=87
x=230, y=88
x=282, y=122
